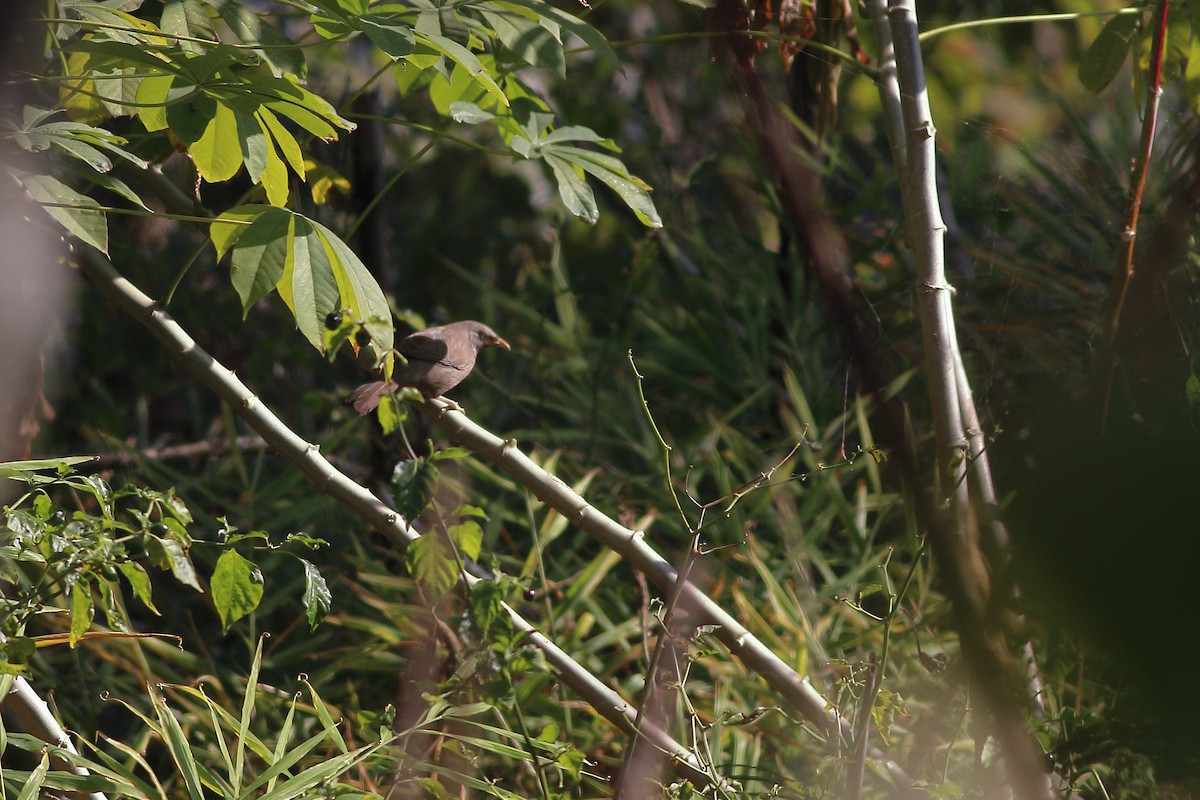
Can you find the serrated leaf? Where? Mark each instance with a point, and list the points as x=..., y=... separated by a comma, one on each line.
x=468, y=538
x=237, y=587
x=412, y=485
x=317, y=598
x=431, y=562
x=1106, y=55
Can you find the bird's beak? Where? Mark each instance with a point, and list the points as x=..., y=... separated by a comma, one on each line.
x=498, y=342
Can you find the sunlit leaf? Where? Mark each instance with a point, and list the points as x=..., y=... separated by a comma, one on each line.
x=317, y=598
x=217, y=152
x=82, y=609
x=432, y=562
x=237, y=587
x=78, y=217
x=139, y=581
x=187, y=18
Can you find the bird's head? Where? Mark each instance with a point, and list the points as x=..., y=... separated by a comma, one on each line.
x=482, y=336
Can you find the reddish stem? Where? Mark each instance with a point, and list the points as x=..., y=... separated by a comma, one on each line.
x=1124, y=274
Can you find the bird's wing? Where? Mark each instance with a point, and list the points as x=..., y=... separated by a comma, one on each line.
x=426, y=345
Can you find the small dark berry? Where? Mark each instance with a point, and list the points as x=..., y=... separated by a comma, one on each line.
x=160, y=529
x=58, y=518
x=529, y=594
x=333, y=320
x=362, y=337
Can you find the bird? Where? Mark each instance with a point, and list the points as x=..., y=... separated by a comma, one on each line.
x=439, y=358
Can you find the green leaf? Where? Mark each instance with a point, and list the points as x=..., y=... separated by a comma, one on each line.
x=255, y=143
x=432, y=562
x=189, y=110
x=217, y=152
x=633, y=191
x=237, y=587
x=1104, y=59
x=11, y=469
x=152, y=101
x=88, y=226
x=533, y=38
x=33, y=784
x=308, y=284
x=187, y=18
x=412, y=485
x=469, y=113
x=389, y=33
x=169, y=553
x=284, y=140
x=82, y=610
x=360, y=292
x=468, y=538
x=317, y=598
x=224, y=233
x=572, y=24
x=139, y=581
x=278, y=51
x=177, y=745
x=466, y=59
x=573, y=190
x=260, y=255
x=15, y=654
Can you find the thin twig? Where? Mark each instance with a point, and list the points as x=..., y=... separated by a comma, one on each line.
x=1123, y=276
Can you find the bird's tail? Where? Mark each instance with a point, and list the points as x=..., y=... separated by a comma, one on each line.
x=366, y=397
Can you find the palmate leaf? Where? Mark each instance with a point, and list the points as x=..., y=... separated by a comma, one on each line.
x=612, y=172
x=225, y=115
x=313, y=271
x=535, y=39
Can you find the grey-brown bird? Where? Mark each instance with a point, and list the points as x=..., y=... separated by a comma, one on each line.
x=438, y=360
